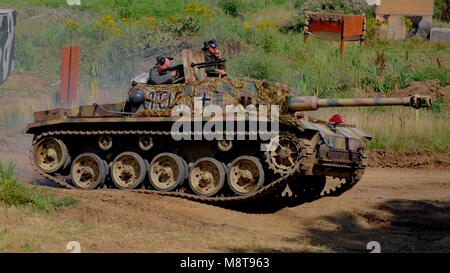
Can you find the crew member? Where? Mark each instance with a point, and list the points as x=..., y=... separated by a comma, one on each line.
x=213, y=54
x=163, y=72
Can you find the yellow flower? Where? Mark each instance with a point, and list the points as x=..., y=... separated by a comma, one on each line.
x=72, y=24
x=247, y=26
x=265, y=24
x=106, y=23
x=172, y=19
x=197, y=9
x=149, y=22
x=125, y=20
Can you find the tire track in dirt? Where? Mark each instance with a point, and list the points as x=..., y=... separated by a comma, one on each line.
x=405, y=210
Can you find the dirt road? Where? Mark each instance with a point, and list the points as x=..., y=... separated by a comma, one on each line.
x=405, y=210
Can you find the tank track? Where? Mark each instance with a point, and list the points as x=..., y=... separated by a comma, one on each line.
x=271, y=189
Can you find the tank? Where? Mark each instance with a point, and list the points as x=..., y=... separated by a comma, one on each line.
x=216, y=140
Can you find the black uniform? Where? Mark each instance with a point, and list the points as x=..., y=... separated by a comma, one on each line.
x=210, y=69
x=154, y=77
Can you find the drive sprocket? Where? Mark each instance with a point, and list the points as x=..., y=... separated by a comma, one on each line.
x=285, y=155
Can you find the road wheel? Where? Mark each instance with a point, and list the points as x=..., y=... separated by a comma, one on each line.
x=167, y=171
x=207, y=176
x=128, y=170
x=88, y=171
x=50, y=155
x=245, y=175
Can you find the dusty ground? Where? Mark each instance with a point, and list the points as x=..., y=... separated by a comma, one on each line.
x=409, y=159
x=406, y=210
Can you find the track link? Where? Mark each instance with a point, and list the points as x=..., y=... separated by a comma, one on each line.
x=271, y=189
x=275, y=186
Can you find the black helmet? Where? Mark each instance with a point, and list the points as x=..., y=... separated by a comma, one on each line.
x=161, y=59
x=211, y=43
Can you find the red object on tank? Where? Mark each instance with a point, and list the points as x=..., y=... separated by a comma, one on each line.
x=336, y=119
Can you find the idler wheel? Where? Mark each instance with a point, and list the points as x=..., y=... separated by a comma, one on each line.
x=207, y=176
x=88, y=171
x=128, y=170
x=50, y=155
x=245, y=175
x=167, y=171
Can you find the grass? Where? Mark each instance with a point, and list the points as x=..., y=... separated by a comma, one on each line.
x=253, y=44
x=398, y=128
x=16, y=114
x=14, y=193
x=23, y=230
x=439, y=23
x=316, y=69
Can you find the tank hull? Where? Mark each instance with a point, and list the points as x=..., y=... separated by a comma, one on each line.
x=321, y=152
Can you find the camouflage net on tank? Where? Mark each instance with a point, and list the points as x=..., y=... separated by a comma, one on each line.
x=262, y=92
x=256, y=92
x=177, y=89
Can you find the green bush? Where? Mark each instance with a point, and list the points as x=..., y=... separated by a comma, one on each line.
x=338, y=6
x=327, y=6
x=432, y=72
x=438, y=105
x=230, y=7
x=258, y=65
x=13, y=193
x=181, y=26
x=442, y=10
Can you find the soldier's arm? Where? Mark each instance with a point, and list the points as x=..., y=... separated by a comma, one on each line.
x=155, y=78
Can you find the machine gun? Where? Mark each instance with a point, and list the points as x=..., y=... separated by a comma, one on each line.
x=208, y=64
x=197, y=65
x=180, y=68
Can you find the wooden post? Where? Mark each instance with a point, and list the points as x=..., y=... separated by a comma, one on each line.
x=70, y=62
x=341, y=43
x=65, y=66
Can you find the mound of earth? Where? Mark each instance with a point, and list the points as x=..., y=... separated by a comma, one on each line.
x=430, y=88
x=427, y=88
x=409, y=159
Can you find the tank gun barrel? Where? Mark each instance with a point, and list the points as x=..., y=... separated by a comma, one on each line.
x=311, y=103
